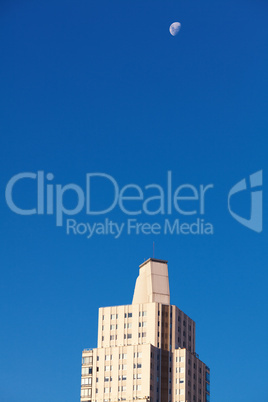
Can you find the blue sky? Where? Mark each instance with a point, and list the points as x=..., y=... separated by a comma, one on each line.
x=103, y=87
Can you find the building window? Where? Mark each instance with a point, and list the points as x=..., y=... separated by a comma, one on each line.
x=86, y=370
x=122, y=388
x=127, y=336
x=143, y=314
x=86, y=392
x=86, y=381
x=86, y=360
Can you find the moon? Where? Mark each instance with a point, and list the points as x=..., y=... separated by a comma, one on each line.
x=175, y=28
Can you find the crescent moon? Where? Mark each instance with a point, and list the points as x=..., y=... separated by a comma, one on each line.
x=175, y=28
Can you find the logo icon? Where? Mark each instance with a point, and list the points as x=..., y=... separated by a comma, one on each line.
x=255, y=220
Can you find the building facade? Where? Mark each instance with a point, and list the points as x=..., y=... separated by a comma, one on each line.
x=146, y=350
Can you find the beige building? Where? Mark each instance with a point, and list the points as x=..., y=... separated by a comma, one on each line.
x=146, y=350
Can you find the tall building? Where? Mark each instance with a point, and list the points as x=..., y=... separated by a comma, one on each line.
x=146, y=350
